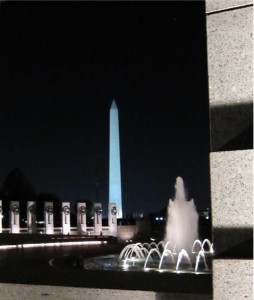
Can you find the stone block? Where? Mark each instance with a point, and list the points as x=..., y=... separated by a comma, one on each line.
x=230, y=56
x=217, y=5
x=232, y=198
x=232, y=279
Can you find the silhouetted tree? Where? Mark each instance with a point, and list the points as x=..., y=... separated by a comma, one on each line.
x=17, y=187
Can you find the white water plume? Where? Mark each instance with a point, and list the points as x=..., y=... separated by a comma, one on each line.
x=182, y=219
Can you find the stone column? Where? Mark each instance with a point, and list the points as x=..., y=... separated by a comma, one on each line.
x=230, y=68
x=97, y=219
x=14, y=216
x=81, y=217
x=49, y=217
x=66, y=220
x=112, y=219
x=1, y=217
x=31, y=216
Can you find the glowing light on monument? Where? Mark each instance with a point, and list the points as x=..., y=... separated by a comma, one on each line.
x=115, y=190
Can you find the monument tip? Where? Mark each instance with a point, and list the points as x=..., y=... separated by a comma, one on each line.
x=113, y=105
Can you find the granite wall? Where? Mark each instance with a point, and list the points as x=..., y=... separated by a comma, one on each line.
x=230, y=72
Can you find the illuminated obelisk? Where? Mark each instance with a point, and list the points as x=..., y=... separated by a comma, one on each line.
x=115, y=187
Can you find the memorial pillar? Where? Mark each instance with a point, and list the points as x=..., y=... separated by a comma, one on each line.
x=14, y=216
x=97, y=219
x=66, y=223
x=49, y=217
x=112, y=219
x=1, y=217
x=81, y=218
x=31, y=216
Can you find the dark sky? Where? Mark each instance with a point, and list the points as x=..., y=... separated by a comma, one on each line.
x=62, y=64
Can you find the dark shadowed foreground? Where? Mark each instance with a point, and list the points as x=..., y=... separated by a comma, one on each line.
x=34, y=266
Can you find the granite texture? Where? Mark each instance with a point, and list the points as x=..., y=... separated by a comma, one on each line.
x=232, y=188
x=39, y=292
x=232, y=279
x=232, y=198
x=230, y=56
x=230, y=68
x=215, y=5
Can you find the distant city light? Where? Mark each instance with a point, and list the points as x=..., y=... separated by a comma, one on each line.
x=159, y=219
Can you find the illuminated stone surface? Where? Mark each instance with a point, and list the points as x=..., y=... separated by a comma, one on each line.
x=112, y=219
x=31, y=292
x=81, y=217
x=49, y=217
x=115, y=188
x=14, y=216
x=66, y=223
x=31, y=216
x=1, y=217
x=230, y=68
x=232, y=279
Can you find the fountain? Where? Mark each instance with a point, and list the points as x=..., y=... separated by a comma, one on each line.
x=182, y=220
x=137, y=257
x=180, y=252
x=181, y=248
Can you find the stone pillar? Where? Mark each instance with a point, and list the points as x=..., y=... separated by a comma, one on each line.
x=49, y=217
x=81, y=218
x=112, y=219
x=31, y=216
x=66, y=220
x=97, y=219
x=1, y=217
x=14, y=216
x=230, y=68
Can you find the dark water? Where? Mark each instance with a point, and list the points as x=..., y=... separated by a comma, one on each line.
x=111, y=262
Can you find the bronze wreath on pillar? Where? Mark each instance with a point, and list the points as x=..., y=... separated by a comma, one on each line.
x=82, y=210
x=98, y=210
x=113, y=210
x=66, y=210
x=32, y=209
x=49, y=210
x=15, y=209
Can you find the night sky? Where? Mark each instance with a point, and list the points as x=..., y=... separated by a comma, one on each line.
x=62, y=64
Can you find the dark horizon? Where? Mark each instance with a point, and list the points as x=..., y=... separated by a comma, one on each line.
x=64, y=63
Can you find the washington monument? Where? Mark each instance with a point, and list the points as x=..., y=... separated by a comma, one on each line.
x=115, y=187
